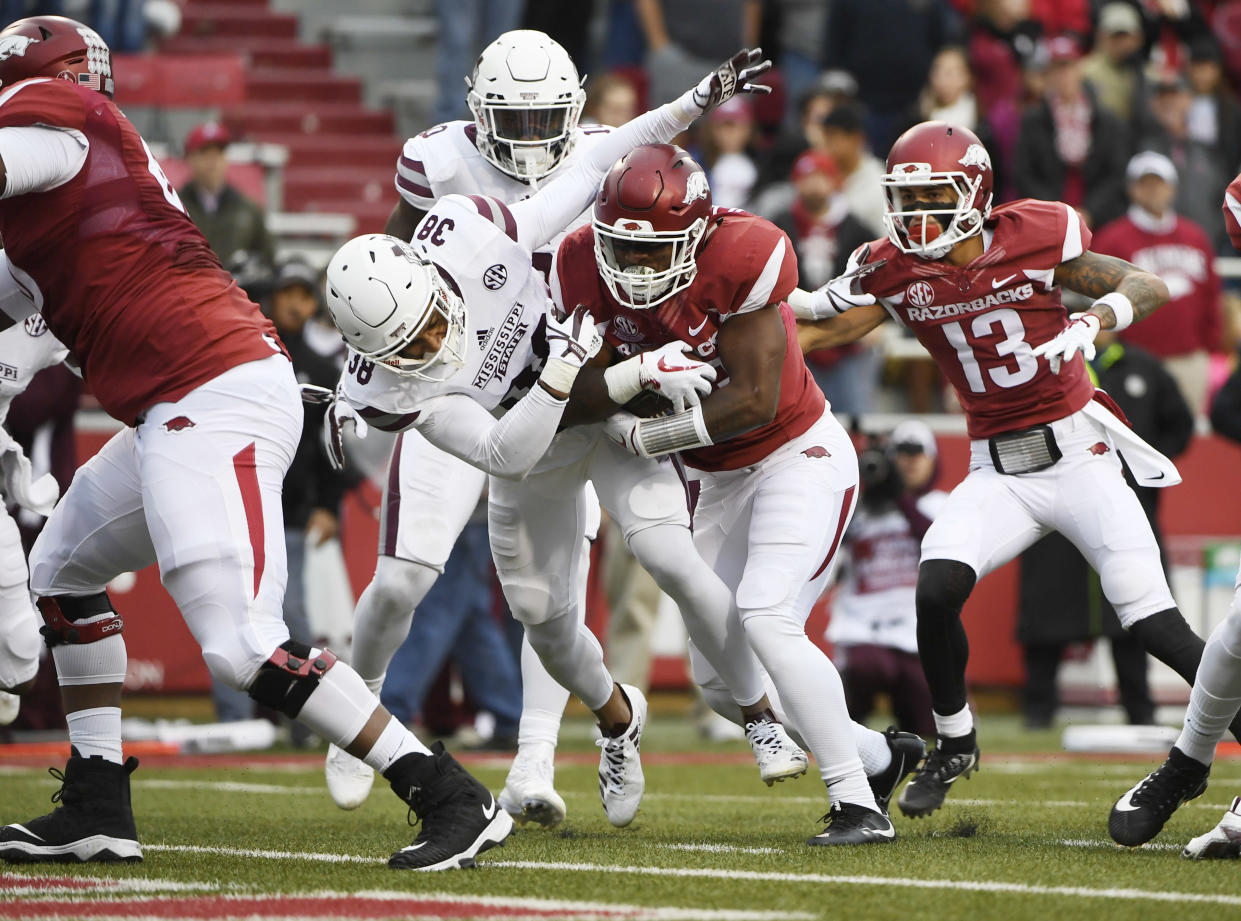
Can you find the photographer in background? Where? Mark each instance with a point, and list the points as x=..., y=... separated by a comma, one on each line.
x=873, y=624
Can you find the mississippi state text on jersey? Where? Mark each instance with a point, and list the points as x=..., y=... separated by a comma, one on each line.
x=981, y=321
x=472, y=240
x=111, y=261
x=744, y=263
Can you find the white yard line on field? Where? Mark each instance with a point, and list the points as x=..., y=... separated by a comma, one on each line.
x=226, y=786
x=721, y=848
x=1112, y=845
x=760, y=876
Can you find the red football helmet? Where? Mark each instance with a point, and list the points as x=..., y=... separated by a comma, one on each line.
x=937, y=154
x=53, y=46
x=650, y=215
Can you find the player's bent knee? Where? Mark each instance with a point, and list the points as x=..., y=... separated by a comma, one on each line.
x=78, y=619
x=943, y=587
x=1135, y=587
x=403, y=583
x=289, y=676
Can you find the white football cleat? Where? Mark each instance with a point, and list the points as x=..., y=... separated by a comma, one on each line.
x=778, y=756
x=529, y=793
x=348, y=779
x=10, y=704
x=1224, y=840
x=621, y=783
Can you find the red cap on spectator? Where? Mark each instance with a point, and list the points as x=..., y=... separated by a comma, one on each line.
x=205, y=135
x=1063, y=48
x=814, y=161
x=736, y=109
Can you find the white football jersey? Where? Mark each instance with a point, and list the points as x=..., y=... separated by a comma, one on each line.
x=472, y=240
x=25, y=349
x=444, y=160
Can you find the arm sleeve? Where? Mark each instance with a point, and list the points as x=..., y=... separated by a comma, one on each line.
x=553, y=208
x=508, y=447
x=37, y=159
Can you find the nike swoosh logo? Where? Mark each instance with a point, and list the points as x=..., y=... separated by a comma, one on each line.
x=695, y=330
x=1000, y=282
x=489, y=811
x=1123, y=804
x=1160, y=477
x=663, y=365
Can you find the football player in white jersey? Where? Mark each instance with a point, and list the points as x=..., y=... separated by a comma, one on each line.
x=426, y=365
x=25, y=349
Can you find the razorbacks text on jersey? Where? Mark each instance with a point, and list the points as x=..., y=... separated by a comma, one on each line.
x=981, y=321
x=473, y=242
x=744, y=263
x=110, y=255
x=445, y=160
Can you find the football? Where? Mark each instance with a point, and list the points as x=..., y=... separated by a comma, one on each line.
x=648, y=404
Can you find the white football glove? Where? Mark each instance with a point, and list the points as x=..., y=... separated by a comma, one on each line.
x=622, y=429
x=667, y=370
x=339, y=414
x=571, y=342
x=844, y=292
x=1078, y=336
x=730, y=78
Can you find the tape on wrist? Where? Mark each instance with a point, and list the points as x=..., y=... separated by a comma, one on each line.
x=559, y=374
x=680, y=432
x=1120, y=306
x=624, y=380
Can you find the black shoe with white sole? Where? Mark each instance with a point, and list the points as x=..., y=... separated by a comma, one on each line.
x=932, y=781
x=93, y=820
x=907, y=750
x=1141, y=813
x=849, y=823
x=460, y=818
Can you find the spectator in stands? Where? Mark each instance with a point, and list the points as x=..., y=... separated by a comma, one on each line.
x=120, y=23
x=833, y=88
x=1214, y=115
x=610, y=100
x=909, y=32
x=457, y=620
x=844, y=140
x=824, y=233
x=949, y=97
x=1114, y=68
x=686, y=38
x=873, y=625
x=235, y=226
x=1061, y=602
x=1070, y=148
x=465, y=28
x=1154, y=237
x=1003, y=38
x=802, y=27
x=1203, y=173
x=726, y=154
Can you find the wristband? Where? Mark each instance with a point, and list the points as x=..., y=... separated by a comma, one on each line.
x=1120, y=306
x=559, y=374
x=679, y=432
x=624, y=380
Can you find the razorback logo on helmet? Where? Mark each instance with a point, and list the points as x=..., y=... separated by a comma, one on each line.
x=15, y=46
x=696, y=187
x=920, y=294
x=976, y=155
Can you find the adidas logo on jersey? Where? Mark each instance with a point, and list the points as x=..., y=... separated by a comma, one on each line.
x=482, y=334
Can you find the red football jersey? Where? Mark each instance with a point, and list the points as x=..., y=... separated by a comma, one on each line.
x=121, y=275
x=981, y=321
x=745, y=264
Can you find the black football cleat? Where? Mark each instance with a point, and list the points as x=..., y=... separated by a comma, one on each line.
x=849, y=823
x=93, y=819
x=1140, y=814
x=931, y=782
x=460, y=818
x=907, y=750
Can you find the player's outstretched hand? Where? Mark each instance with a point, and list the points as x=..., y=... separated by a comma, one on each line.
x=672, y=373
x=574, y=338
x=339, y=414
x=1078, y=336
x=732, y=77
x=844, y=292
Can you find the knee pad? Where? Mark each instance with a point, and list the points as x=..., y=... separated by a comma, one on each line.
x=943, y=586
x=287, y=679
x=64, y=616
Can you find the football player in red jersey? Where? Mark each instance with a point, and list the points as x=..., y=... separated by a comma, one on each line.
x=777, y=475
x=980, y=288
x=1142, y=811
x=97, y=242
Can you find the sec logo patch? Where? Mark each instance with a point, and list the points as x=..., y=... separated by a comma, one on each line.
x=35, y=325
x=626, y=329
x=495, y=277
x=920, y=294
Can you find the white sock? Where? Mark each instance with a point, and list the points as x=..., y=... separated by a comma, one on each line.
x=814, y=699
x=956, y=724
x=542, y=701
x=394, y=743
x=96, y=731
x=1216, y=697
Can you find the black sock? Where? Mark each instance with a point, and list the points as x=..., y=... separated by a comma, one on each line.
x=943, y=647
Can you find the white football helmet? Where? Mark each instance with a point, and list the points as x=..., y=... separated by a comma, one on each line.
x=526, y=98
x=383, y=294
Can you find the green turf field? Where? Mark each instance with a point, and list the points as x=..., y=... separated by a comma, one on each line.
x=1025, y=838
